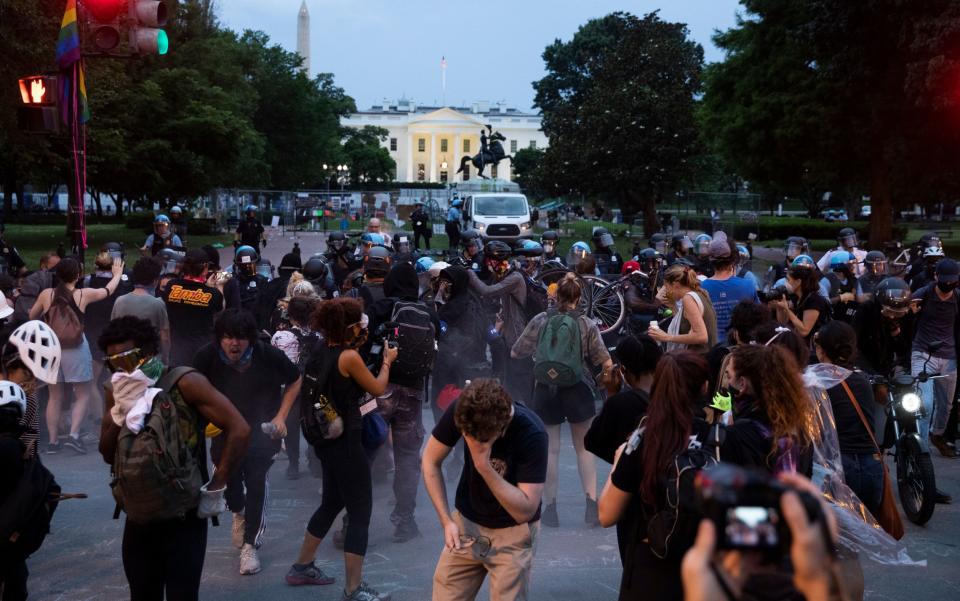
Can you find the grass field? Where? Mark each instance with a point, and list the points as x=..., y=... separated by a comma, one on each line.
x=34, y=240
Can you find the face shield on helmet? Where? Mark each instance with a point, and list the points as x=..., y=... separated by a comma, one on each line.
x=401, y=244
x=336, y=241
x=876, y=263
x=367, y=241
x=245, y=261
x=605, y=240
x=171, y=260
x=649, y=260
x=894, y=297
x=744, y=253
x=794, y=247
x=265, y=268
x=578, y=252
x=701, y=245
x=847, y=238
x=658, y=242
x=423, y=264
x=161, y=226
x=251, y=211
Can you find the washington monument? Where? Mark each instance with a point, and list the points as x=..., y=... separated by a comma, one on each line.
x=303, y=37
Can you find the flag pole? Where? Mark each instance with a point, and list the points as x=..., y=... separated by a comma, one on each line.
x=443, y=80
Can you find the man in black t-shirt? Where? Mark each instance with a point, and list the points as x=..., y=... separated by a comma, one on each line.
x=497, y=517
x=250, y=231
x=262, y=383
x=191, y=307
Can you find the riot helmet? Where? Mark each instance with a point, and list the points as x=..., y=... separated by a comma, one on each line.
x=245, y=261
x=796, y=246
x=875, y=263
x=170, y=260
x=602, y=238
x=377, y=262
x=658, y=242
x=315, y=271
x=701, y=245
x=847, y=238
x=336, y=241
x=579, y=251
x=893, y=294
x=161, y=226
x=114, y=249
x=401, y=243
x=842, y=261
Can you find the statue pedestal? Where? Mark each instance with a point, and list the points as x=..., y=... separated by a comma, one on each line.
x=476, y=184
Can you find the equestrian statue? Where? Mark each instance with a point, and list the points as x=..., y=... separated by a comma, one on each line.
x=491, y=152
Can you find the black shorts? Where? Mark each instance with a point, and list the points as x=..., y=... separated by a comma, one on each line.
x=574, y=404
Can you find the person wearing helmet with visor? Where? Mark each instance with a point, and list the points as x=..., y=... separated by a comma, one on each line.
x=340, y=257
x=680, y=247
x=367, y=241
x=577, y=253
x=178, y=223
x=550, y=240
x=250, y=282
x=510, y=288
x=745, y=270
x=471, y=257
x=811, y=310
x=162, y=237
x=875, y=271
x=403, y=249
x=924, y=275
x=529, y=255
x=841, y=287
x=250, y=231
x=376, y=265
x=658, y=242
x=846, y=241
x=609, y=261
x=885, y=329
x=777, y=272
x=701, y=254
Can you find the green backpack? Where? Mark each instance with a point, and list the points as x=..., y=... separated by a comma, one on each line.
x=558, y=361
x=156, y=473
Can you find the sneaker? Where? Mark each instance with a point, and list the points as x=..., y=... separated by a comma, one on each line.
x=293, y=472
x=405, y=531
x=940, y=442
x=307, y=574
x=365, y=593
x=249, y=561
x=549, y=516
x=237, y=529
x=76, y=445
x=52, y=448
x=591, y=516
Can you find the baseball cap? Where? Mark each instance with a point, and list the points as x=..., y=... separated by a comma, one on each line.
x=196, y=256
x=719, y=247
x=630, y=267
x=947, y=270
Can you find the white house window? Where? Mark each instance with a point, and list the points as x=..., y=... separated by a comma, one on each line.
x=393, y=144
x=443, y=145
x=466, y=147
x=513, y=146
x=533, y=144
x=421, y=144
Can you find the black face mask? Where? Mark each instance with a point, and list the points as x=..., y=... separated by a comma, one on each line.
x=947, y=286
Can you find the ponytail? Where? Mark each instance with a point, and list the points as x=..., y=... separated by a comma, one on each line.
x=684, y=275
x=569, y=291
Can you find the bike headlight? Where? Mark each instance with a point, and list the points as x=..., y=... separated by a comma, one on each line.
x=910, y=402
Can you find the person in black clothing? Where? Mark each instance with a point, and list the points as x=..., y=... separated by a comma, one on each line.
x=167, y=556
x=376, y=265
x=680, y=247
x=744, y=320
x=191, y=308
x=621, y=413
x=811, y=310
x=231, y=289
x=885, y=329
x=836, y=344
x=337, y=370
x=636, y=488
x=421, y=226
x=609, y=261
x=275, y=290
x=249, y=281
x=262, y=384
x=402, y=403
x=10, y=254
x=340, y=257
x=250, y=230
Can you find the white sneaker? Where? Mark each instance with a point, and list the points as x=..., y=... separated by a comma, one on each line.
x=237, y=530
x=249, y=562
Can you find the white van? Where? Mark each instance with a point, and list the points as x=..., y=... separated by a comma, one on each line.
x=498, y=215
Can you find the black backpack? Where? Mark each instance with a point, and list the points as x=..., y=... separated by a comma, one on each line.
x=672, y=529
x=411, y=326
x=305, y=346
x=320, y=419
x=536, y=302
x=25, y=514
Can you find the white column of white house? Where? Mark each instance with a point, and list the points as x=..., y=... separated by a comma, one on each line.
x=433, y=157
x=409, y=156
x=456, y=160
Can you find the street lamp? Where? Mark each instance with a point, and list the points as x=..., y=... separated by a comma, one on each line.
x=343, y=172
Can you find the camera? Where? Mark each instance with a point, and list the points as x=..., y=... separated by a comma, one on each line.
x=744, y=505
x=776, y=293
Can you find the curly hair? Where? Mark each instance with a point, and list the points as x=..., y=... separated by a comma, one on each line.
x=483, y=410
x=130, y=329
x=334, y=317
x=774, y=375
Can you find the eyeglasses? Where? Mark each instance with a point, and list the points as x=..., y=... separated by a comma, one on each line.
x=127, y=361
x=479, y=544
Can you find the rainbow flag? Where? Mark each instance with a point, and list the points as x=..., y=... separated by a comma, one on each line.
x=73, y=88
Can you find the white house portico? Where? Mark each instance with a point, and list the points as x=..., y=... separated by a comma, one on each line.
x=428, y=142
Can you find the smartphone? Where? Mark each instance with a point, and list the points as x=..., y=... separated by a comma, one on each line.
x=751, y=527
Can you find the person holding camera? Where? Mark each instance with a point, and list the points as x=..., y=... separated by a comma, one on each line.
x=638, y=484
x=346, y=471
x=811, y=310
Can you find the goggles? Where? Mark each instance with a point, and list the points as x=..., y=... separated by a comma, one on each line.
x=127, y=361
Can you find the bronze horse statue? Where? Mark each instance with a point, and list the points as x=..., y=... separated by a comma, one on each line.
x=490, y=154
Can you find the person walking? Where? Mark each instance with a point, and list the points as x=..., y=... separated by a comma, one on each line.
x=336, y=371
x=63, y=309
x=262, y=384
x=694, y=324
x=496, y=523
x=192, y=304
x=566, y=336
x=142, y=303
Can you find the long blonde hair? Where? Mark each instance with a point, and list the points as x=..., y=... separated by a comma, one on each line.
x=684, y=275
x=569, y=291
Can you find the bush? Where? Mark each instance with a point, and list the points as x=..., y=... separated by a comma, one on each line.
x=781, y=228
x=141, y=220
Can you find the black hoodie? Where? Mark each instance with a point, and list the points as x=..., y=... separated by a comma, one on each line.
x=401, y=284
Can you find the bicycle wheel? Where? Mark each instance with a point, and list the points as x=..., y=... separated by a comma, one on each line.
x=603, y=302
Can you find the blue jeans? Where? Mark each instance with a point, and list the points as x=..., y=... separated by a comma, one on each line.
x=937, y=394
x=863, y=473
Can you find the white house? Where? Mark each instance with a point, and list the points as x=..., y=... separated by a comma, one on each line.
x=427, y=142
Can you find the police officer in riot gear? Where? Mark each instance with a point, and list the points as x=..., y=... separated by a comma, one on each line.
x=250, y=231
x=680, y=247
x=340, y=257
x=792, y=248
x=609, y=261
x=250, y=282
x=178, y=223
x=317, y=272
x=843, y=287
x=162, y=236
x=403, y=250
x=421, y=226
x=875, y=271
x=471, y=257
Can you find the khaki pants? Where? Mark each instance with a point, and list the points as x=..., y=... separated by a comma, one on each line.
x=509, y=562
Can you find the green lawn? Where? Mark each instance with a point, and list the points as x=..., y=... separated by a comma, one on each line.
x=34, y=240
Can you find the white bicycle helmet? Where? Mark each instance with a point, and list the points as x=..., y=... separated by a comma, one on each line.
x=39, y=349
x=11, y=393
x=933, y=251
x=436, y=268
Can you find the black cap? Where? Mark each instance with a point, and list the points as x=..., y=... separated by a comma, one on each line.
x=291, y=261
x=196, y=256
x=947, y=270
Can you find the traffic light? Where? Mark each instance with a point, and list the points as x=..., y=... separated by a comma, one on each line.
x=146, y=19
x=103, y=24
x=38, y=112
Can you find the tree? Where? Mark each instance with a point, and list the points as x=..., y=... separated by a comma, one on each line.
x=528, y=171
x=618, y=105
x=808, y=101
x=369, y=161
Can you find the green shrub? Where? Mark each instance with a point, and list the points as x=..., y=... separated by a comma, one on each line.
x=781, y=228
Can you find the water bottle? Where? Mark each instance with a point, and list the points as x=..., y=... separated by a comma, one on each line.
x=269, y=428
